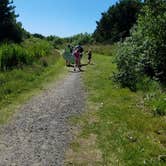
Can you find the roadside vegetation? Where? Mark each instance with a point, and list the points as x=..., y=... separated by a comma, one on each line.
x=26, y=62
x=127, y=128
x=126, y=105
x=18, y=84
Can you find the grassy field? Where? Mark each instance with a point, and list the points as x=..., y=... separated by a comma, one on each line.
x=119, y=127
x=18, y=85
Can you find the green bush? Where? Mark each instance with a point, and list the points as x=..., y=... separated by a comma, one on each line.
x=154, y=96
x=82, y=38
x=160, y=107
x=44, y=62
x=13, y=55
x=127, y=59
x=156, y=99
x=144, y=53
x=37, y=47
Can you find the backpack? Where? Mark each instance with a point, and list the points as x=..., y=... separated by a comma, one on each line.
x=80, y=48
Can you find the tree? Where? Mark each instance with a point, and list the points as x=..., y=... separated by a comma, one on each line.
x=82, y=38
x=37, y=35
x=10, y=29
x=117, y=21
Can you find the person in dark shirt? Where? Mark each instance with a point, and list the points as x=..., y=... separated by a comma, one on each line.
x=89, y=56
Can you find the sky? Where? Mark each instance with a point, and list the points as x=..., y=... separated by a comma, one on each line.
x=61, y=18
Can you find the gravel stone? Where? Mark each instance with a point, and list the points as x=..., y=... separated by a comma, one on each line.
x=39, y=133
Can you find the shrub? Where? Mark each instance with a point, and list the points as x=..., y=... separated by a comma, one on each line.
x=44, y=62
x=128, y=64
x=158, y=104
x=144, y=53
x=13, y=55
x=160, y=107
x=37, y=48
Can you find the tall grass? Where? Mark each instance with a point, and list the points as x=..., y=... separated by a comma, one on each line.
x=37, y=47
x=16, y=84
x=14, y=55
x=102, y=49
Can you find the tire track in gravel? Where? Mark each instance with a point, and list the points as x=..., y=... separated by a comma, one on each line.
x=38, y=134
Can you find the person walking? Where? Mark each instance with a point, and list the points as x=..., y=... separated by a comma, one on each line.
x=68, y=56
x=89, y=56
x=81, y=50
x=77, y=59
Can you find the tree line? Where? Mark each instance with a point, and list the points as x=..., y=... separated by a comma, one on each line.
x=138, y=26
x=10, y=28
x=115, y=24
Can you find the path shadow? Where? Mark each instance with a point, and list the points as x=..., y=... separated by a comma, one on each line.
x=71, y=65
x=71, y=71
x=86, y=64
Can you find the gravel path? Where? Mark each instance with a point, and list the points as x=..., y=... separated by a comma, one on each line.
x=39, y=133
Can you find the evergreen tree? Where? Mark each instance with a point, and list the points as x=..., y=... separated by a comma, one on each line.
x=117, y=21
x=10, y=29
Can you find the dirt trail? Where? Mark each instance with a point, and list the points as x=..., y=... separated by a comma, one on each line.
x=38, y=134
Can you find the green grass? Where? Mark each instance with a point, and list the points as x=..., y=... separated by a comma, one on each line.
x=127, y=132
x=106, y=49
x=16, y=55
x=18, y=85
